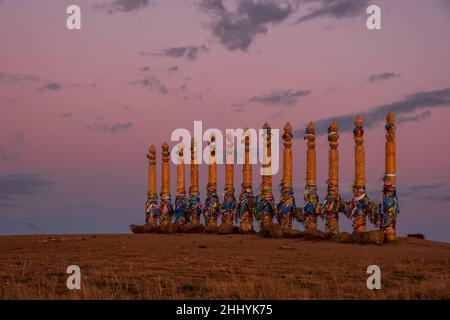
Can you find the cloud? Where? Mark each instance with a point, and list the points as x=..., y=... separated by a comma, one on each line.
x=173, y=69
x=383, y=76
x=151, y=83
x=10, y=78
x=277, y=98
x=435, y=191
x=15, y=79
x=119, y=127
x=405, y=111
x=12, y=151
x=123, y=5
x=188, y=52
x=105, y=127
x=236, y=30
x=66, y=114
x=23, y=184
x=336, y=9
x=414, y=118
x=51, y=86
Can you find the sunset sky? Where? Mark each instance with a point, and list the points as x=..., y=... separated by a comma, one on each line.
x=79, y=108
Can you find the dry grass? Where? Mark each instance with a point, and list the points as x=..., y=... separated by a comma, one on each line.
x=230, y=267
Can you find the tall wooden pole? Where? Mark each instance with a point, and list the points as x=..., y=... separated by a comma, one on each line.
x=246, y=208
x=228, y=208
x=286, y=208
x=211, y=208
x=266, y=208
x=359, y=186
x=181, y=216
x=151, y=205
x=166, y=206
x=360, y=206
x=311, y=208
x=333, y=203
x=390, y=200
x=194, y=204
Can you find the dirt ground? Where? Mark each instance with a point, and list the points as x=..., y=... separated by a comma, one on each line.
x=205, y=266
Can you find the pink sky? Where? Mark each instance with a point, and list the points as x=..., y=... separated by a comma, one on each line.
x=81, y=147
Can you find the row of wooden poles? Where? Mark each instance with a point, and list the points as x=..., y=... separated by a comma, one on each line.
x=188, y=208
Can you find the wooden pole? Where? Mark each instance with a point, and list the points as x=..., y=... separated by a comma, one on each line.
x=246, y=200
x=332, y=204
x=247, y=170
x=390, y=200
x=311, y=154
x=311, y=209
x=359, y=185
x=180, y=199
x=360, y=206
x=166, y=207
x=151, y=206
x=194, y=204
x=265, y=205
x=194, y=167
x=228, y=208
x=286, y=208
x=211, y=208
x=181, y=171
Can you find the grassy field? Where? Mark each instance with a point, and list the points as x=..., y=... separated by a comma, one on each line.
x=202, y=266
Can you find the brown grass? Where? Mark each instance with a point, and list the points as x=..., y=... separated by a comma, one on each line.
x=230, y=267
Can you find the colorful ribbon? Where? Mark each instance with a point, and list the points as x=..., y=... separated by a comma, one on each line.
x=265, y=207
x=246, y=203
x=151, y=211
x=181, y=209
x=286, y=208
x=359, y=208
x=165, y=210
x=311, y=208
x=390, y=209
x=228, y=207
x=331, y=208
x=194, y=207
x=211, y=208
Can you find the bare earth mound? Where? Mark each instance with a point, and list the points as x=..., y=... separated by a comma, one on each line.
x=203, y=266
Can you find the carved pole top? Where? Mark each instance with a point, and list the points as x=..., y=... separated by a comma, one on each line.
x=193, y=151
x=288, y=127
x=229, y=145
x=212, y=143
x=310, y=135
x=287, y=135
x=390, y=127
x=165, y=152
x=180, y=153
x=358, y=132
x=333, y=135
x=390, y=119
x=152, y=154
x=333, y=127
x=230, y=137
x=266, y=125
x=359, y=121
x=311, y=128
